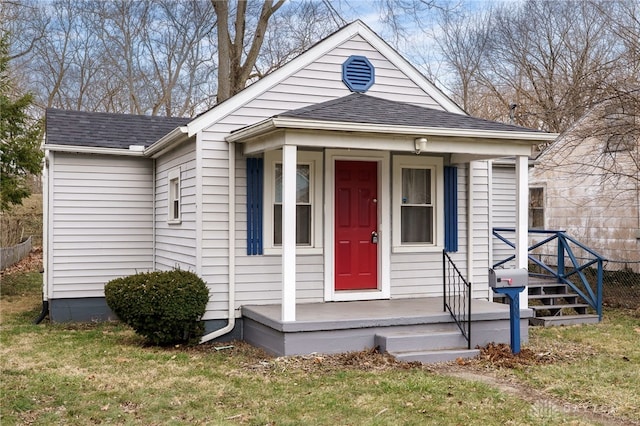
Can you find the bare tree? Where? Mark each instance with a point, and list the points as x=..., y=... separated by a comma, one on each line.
x=551, y=59
x=236, y=54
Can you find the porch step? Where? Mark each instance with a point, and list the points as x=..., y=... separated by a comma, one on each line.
x=564, y=320
x=431, y=357
x=559, y=310
x=554, y=303
x=425, y=347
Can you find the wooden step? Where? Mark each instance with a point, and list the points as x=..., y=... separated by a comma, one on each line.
x=556, y=310
x=554, y=299
x=564, y=320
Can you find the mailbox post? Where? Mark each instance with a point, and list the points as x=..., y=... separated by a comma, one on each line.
x=511, y=282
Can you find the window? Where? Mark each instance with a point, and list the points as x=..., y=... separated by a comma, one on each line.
x=536, y=208
x=416, y=211
x=418, y=203
x=174, y=196
x=308, y=201
x=303, y=206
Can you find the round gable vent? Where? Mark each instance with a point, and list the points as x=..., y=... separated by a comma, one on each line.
x=358, y=73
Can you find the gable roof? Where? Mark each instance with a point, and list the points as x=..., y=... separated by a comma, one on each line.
x=336, y=39
x=361, y=108
x=106, y=130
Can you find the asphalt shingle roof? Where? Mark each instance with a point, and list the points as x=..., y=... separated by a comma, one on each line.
x=360, y=108
x=106, y=130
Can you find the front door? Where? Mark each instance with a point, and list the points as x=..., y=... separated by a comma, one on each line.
x=356, y=218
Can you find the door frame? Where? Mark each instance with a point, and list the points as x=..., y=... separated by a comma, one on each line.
x=384, y=225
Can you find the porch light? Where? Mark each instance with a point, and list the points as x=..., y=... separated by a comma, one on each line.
x=420, y=145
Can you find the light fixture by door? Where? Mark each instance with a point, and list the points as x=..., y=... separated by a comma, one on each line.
x=420, y=145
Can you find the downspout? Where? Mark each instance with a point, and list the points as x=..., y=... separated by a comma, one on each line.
x=232, y=250
x=471, y=182
x=153, y=215
x=45, y=239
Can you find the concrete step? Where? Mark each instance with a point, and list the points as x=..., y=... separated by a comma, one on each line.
x=430, y=357
x=400, y=341
x=564, y=320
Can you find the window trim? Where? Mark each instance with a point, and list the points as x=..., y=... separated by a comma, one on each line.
x=436, y=164
x=543, y=207
x=315, y=161
x=172, y=218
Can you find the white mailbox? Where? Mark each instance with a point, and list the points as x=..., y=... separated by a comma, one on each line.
x=500, y=278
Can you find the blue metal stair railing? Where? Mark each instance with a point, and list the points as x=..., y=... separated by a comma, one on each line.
x=457, y=296
x=592, y=297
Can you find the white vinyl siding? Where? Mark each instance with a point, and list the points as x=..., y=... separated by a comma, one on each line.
x=103, y=221
x=503, y=209
x=259, y=278
x=175, y=239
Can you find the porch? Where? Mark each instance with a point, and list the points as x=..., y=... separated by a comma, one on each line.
x=410, y=329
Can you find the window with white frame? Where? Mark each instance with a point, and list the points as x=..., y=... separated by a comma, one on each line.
x=417, y=203
x=308, y=200
x=173, y=178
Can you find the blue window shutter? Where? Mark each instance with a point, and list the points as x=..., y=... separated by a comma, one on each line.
x=450, y=209
x=254, y=205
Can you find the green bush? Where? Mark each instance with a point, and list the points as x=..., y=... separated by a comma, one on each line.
x=164, y=307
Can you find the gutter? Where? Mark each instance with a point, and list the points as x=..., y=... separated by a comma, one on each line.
x=274, y=123
x=232, y=249
x=167, y=142
x=94, y=150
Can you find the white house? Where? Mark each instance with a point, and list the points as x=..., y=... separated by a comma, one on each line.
x=317, y=201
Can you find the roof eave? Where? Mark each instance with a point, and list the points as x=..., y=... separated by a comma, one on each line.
x=167, y=142
x=271, y=124
x=92, y=150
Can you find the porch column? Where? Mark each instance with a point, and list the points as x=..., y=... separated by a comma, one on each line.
x=289, y=160
x=522, y=218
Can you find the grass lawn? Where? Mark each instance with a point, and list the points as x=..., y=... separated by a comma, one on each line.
x=82, y=374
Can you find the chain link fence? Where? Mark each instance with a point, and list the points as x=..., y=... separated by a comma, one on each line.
x=621, y=285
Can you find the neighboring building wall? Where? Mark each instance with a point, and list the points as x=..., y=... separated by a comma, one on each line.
x=176, y=242
x=103, y=222
x=258, y=278
x=599, y=210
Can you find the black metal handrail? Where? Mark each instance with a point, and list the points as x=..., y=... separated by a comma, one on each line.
x=457, y=296
x=560, y=271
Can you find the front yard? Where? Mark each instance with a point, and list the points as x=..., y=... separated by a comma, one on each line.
x=104, y=374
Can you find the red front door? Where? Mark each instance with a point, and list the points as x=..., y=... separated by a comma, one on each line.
x=356, y=218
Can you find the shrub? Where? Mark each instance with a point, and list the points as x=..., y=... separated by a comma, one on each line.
x=164, y=307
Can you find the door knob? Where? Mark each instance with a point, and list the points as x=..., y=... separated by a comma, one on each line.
x=374, y=237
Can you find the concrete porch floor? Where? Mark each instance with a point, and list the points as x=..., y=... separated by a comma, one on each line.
x=335, y=327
